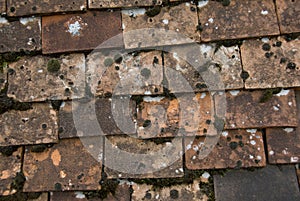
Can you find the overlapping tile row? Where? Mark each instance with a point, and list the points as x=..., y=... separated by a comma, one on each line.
x=288, y=15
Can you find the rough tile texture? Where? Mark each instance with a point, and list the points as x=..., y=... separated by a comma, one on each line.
x=202, y=67
x=24, y=34
x=128, y=157
x=9, y=167
x=80, y=31
x=247, y=187
x=42, y=78
x=234, y=149
x=34, y=126
x=258, y=109
x=31, y=7
x=172, y=25
x=240, y=19
x=125, y=73
x=288, y=15
x=121, y=4
x=2, y=6
x=68, y=165
x=271, y=63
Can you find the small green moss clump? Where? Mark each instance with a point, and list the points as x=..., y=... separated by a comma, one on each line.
x=108, y=62
x=268, y=94
x=118, y=58
x=153, y=11
x=53, y=65
x=147, y=123
x=233, y=145
x=8, y=151
x=18, y=181
x=38, y=148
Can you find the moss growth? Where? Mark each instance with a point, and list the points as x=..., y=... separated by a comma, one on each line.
x=201, y=86
x=38, y=148
x=145, y=72
x=161, y=140
x=118, y=58
x=56, y=104
x=18, y=181
x=291, y=65
x=108, y=62
x=266, y=47
x=268, y=94
x=58, y=187
x=53, y=66
x=19, y=196
x=225, y=2
x=151, y=12
x=244, y=75
x=8, y=151
x=147, y=123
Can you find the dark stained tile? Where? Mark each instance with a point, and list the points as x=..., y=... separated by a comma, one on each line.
x=34, y=126
x=240, y=19
x=274, y=183
x=2, y=6
x=288, y=15
x=31, y=7
x=41, y=78
x=271, y=63
x=80, y=32
x=258, y=109
x=121, y=3
x=72, y=164
x=24, y=34
x=21, y=196
x=128, y=157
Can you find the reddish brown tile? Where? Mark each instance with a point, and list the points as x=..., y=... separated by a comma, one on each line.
x=80, y=32
x=288, y=15
x=240, y=19
x=121, y=4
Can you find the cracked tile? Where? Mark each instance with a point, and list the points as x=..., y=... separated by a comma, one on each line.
x=288, y=15
x=121, y=4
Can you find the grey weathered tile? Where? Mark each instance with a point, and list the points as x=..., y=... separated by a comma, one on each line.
x=72, y=164
x=40, y=78
x=34, y=126
x=17, y=36
x=288, y=15
x=271, y=63
x=240, y=19
x=255, y=185
x=31, y=7
x=128, y=157
x=121, y=3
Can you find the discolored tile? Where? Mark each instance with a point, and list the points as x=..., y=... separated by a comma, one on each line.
x=72, y=164
x=2, y=6
x=288, y=15
x=79, y=32
x=271, y=63
x=160, y=26
x=36, y=125
x=232, y=149
x=31, y=7
x=41, y=78
x=22, y=35
x=121, y=73
x=237, y=20
x=255, y=185
x=128, y=157
x=121, y=4
x=258, y=109
x=10, y=166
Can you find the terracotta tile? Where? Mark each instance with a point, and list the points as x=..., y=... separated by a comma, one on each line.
x=248, y=185
x=237, y=20
x=288, y=15
x=10, y=166
x=232, y=149
x=172, y=25
x=121, y=4
x=258, y=109
x=176, y=192
x=2, y=6
x=128, y=157
x=31, y=7
x=34, y=126
x=17, y=36
x=122, y=73
x=80, y=32
x=271, y=63
x=72, y=164
x=42, y=78
x=202, y=67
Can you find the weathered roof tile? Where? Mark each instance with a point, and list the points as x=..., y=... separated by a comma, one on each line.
x=121, y=3
x=2, y=6
x=288, y=15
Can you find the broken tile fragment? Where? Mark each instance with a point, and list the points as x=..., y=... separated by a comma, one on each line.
x=160, y=26
x=20, y=35
x=271, y=63
x=120, y=73
x=2, y=6
x=288, y=15
x=237, y=20
x=258, y=109
x=80, y=32
x=248, y=185
x=10, y=166
x=31, y=7
x=72, y=164
x=33, y=126
x=232, y=149
x=121, y=4
x=128, y=157
x=41, y=78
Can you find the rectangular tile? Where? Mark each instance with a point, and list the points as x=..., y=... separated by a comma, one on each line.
x=121, y=4
x=271, y=63
x=31, y=7
x=257, y=109
x=288, y=15
x=72, y=164
x=41, y=78
x=22, y=35
x=239, y=19
x=80, y=32
x=34, y=126
x=232, y=149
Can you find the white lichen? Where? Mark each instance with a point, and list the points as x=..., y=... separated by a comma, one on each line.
x=283, y=92
x=234, y=92
x=26, y=20
x=264, y=12
x=202, y=3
